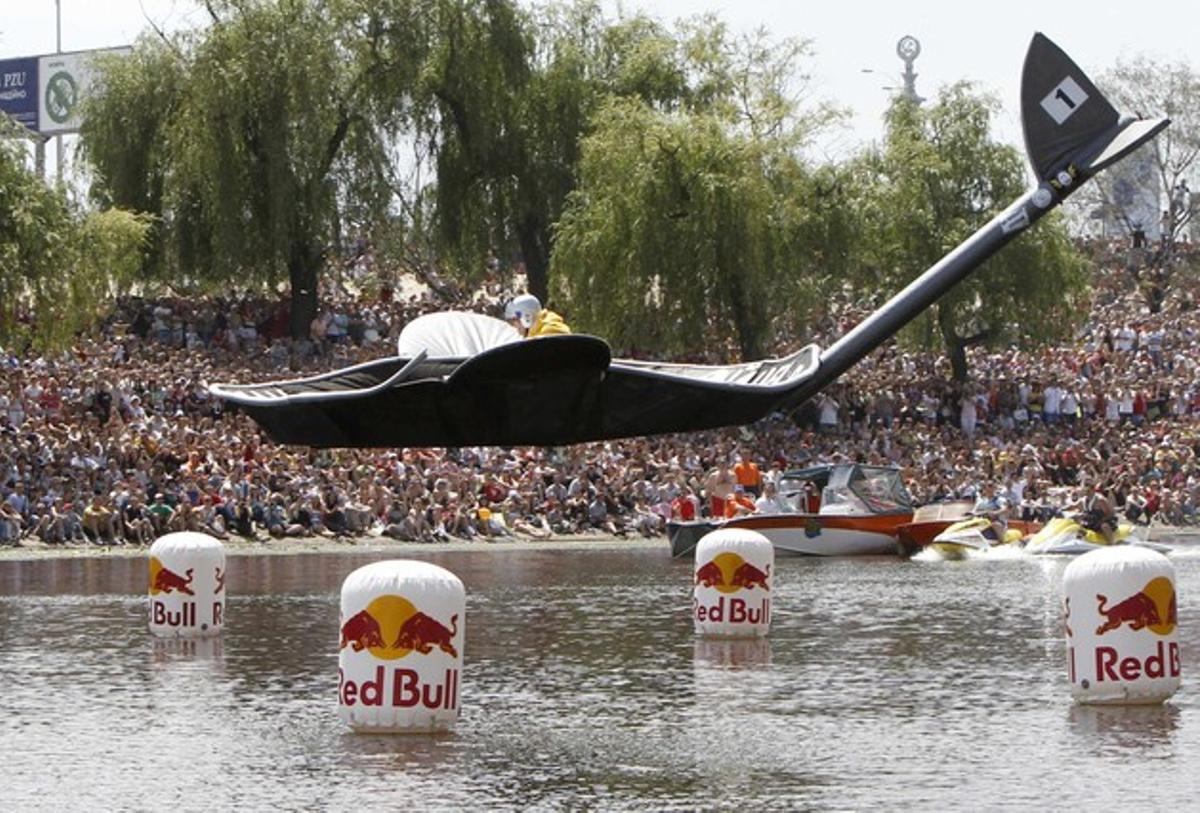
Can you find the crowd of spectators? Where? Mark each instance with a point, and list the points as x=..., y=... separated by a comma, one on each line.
x=118, y=440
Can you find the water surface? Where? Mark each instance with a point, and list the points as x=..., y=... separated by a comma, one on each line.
x=921, y=684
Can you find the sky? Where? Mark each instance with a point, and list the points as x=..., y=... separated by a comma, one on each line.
x=983, y=43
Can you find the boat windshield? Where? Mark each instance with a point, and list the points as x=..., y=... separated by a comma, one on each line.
x=865, y=490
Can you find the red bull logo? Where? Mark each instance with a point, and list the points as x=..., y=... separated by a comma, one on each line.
x=389, y=628
x=728, y=573
x=164, y=580
x=1153, y=608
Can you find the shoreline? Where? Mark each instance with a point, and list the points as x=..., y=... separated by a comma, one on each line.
x=35, y=551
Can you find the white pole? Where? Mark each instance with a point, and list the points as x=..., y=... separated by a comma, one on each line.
x=58, y=143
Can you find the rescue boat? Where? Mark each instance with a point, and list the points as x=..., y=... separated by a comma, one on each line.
x=970, y=535
x=1066, y=536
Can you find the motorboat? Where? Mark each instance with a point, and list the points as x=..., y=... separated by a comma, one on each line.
x=462, y=381
x=971, y=535
x=1067, y=537
x=842, y=509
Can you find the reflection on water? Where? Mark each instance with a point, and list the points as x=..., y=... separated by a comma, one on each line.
x=922, y=684
x=1142, y=732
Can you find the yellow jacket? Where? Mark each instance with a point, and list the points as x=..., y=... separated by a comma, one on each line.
x=548, y=323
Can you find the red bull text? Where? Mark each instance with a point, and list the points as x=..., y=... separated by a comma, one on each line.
x=734, y=611
x=401, y=688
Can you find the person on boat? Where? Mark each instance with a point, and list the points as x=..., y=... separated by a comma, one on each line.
x=740, y=504
x=526, y=314
x=1099, y=515
x=718, y=488
x=995, y=509
x=748, y=475
x=770, y=502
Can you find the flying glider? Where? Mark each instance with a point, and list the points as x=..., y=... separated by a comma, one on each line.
x=460, y=379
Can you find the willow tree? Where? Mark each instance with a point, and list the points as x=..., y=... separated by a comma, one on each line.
x=247, y=139
x=683, y=236
x=694, y=227
x=59, y=266
x=504, y=97
x=936, y=179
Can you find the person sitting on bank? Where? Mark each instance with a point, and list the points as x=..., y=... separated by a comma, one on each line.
x=995, y=509
x=526, y=314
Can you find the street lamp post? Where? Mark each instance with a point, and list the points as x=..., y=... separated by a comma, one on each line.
x=908, y=49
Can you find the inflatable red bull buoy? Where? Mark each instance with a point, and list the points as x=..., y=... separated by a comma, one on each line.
x=401, y=648
x=1120, y=615
x=731, y=595
x=187, y=585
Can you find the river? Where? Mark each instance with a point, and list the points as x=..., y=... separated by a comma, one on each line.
x=913, y=684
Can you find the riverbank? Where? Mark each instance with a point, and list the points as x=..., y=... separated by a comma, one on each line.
x=30, y=550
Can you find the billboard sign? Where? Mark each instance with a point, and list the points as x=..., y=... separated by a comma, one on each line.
x=19, y=90
x=63, y=81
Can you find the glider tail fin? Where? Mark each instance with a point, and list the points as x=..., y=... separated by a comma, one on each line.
x=1071, y=133
x=1071, y=130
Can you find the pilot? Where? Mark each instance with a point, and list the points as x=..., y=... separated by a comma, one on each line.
x=526, y=314
x=995, y=509
x=1099, y=514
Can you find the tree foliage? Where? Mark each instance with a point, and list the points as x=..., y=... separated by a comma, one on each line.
x=1148, y=87
x=252, y=138
x=683, y=234
x=935, y=180
x=58, y=265
x=694, y=224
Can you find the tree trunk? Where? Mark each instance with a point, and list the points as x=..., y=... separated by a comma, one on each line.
x=749, y=328
x=303, y=270
x=956, y=346
x=536, y=257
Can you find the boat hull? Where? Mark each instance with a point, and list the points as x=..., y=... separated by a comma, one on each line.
x=804, y=534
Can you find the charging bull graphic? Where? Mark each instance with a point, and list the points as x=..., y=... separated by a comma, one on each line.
x=391, y=627
x=167, y=580
x=1153, y=607
x=422, y=633
x=729, y=572
x=748, y=576
x=361, y=632
x=710, y=575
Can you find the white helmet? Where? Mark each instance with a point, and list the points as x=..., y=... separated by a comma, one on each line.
x=524, y=307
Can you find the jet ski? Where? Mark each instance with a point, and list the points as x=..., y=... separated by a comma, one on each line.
x=970, y=535
x=1065, y=536
x=460, y=381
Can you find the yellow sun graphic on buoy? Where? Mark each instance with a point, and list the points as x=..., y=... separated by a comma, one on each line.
x=1162, y=593
x=391, y=612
